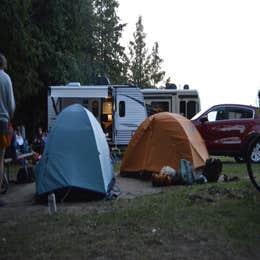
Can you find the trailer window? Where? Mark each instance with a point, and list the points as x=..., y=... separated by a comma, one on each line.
x=191, y=109
x=122, y=108
x=159, y=106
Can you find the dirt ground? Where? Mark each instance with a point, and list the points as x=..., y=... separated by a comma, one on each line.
x=20, y=199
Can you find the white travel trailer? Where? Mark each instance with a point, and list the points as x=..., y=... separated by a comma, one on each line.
x=182, y=101
x=120, y=109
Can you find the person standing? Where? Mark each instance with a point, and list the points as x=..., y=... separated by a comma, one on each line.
x=7, y=108
x=39, y=141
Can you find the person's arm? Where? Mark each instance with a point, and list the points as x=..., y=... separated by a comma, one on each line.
x=11, y=100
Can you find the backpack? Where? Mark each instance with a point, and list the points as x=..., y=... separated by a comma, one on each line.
x=186, y=172
x=212, y=169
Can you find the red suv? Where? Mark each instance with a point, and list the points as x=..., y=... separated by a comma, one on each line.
x=227, y=130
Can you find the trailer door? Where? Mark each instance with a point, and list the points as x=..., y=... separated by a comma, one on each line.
x=129, y=113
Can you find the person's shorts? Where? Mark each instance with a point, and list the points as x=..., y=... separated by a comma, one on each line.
x=5, y=141
x=6, y=133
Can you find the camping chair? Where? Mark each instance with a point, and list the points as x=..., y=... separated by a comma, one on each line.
x=17, y=158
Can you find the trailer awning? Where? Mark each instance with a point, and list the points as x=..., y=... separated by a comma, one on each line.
x=79, y=91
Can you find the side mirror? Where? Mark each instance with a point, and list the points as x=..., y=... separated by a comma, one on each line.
x=204, y=119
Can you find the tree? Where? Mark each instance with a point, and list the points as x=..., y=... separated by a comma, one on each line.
x=109, y=56
x=46, y=42
x=19, y=46
x=143, y=70
x=65, y=30
x=21, y=49
x=138, y=59
x=51, y=42
x=156, y=74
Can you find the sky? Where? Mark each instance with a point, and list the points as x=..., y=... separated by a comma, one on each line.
x=211, y=45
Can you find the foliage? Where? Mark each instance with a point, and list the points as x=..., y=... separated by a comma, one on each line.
x=138, y=60
x=21, y=48
x=109, y=54
x=51, y=42
x=144, y=69
x=156, y=74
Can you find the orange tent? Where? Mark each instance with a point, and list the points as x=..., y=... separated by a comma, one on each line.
x=161, y=140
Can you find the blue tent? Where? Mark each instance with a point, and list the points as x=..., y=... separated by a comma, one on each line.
x=76, y=155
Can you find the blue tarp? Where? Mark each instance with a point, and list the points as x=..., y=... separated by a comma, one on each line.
x=76, y=155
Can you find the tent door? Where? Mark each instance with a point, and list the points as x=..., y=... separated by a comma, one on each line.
x=95, y=107
x=107, y=117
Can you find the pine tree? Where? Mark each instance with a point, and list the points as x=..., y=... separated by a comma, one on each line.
x=109, y=57
x=138, y=59
x=156, y=74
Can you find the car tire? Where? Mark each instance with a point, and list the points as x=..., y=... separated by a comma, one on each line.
x=255, y=153
x=239, y=159
x=253, y=168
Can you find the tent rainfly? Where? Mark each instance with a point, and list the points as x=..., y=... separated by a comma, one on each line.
x=76, y=156
x=164, y=139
